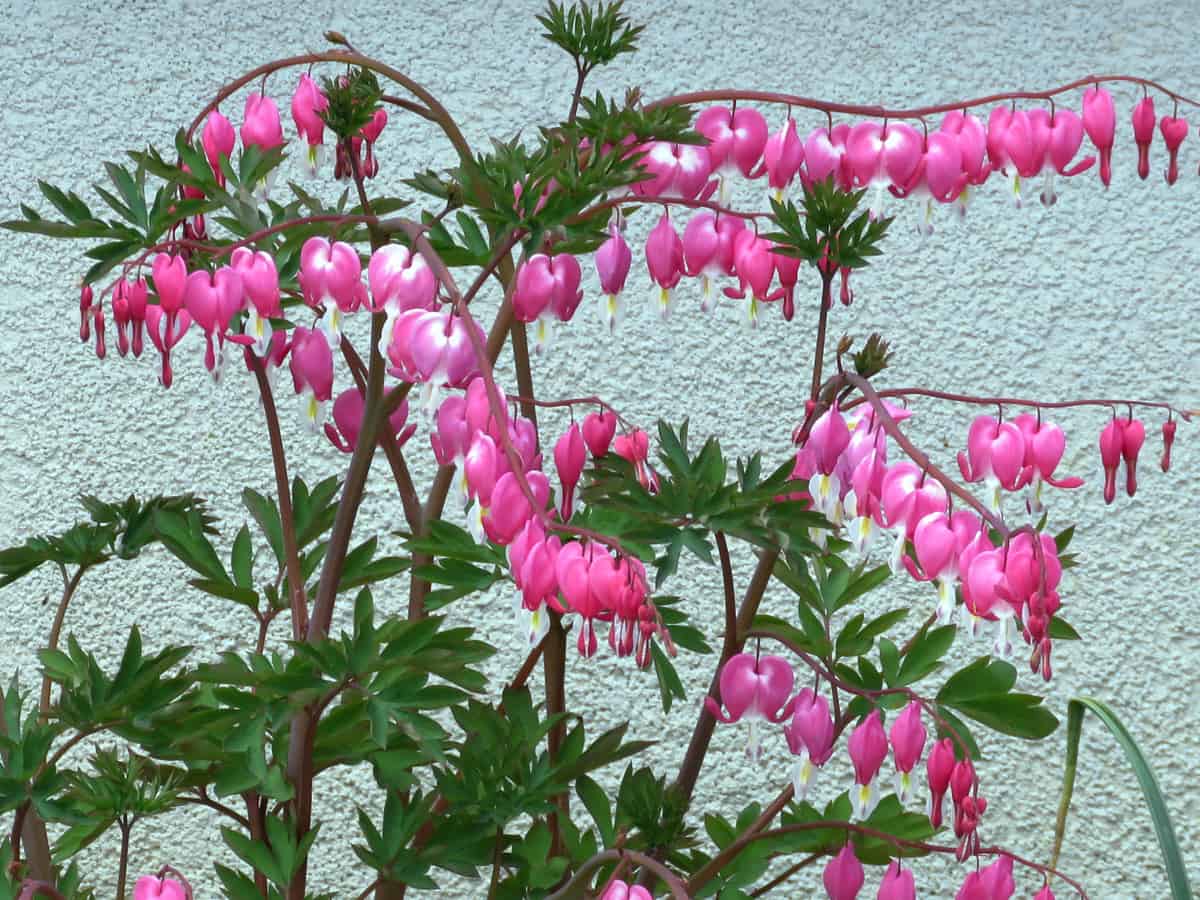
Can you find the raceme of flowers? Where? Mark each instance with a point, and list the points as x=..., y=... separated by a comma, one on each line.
x=842, y=466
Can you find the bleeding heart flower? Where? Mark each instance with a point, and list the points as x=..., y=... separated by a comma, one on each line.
x=598, y=430
x=882, y=156
x=218, y=140
x=400, y=280
x=312, y=374
x=260, y=282
x=708, y=251
x=1174, y=130
x=676, y=170
x=939, y=765
x=736, y=141
x=753, y=688
x=308, y=102
x=1168, y=434
x=569, y=458
x=613, y=260
x=995, y=454
x=348, y=411
x=843, y=876
x=149, y=887
x=1143, y=133
x=664, y=260
x=331, y=276
x=907, y=736
x=1100, y=123
x=129, y=314
x=825, y=156
x=809, y=736
x=868, y=747
x=897, y=883
x=783, y=155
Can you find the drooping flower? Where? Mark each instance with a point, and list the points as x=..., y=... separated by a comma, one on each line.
x=1121, y=439
x=897, y=883
x=569, y=458
x=882, y=156
x=995, y=454
x=331, y=276
x=312, y=374
x=783, y=155
x=212, y=301
x=676, y=170
x=400, y=280
x=308, y=102
x=598, y=430
x=810, y=737
x=1100, y=123
x=736, y=141
x=992, y=882
x=260, y=282
x=907, y=737
x=619, y=890
x=150, y=887
x=1174, y=130
x=218, y=140
x=972, y=145
x=825, y=156
x=262, y=128
x=1144, y=121
x=434, y=348
x=939, y=176
x=348, y=410
x=664, y=260
x=753, y=688
x=129, y=314
x=613, y=260
x=708, y=251
x=843, y=877
x=754, y=264
x=906, y=497
x=939, y=765
x=1044, y=447
x=1168, y=434
x=868, y=747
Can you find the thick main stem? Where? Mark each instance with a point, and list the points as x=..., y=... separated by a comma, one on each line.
x=123, y=860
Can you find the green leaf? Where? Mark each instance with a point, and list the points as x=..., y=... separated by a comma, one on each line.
x=266, y=514
x=241, y=560
x=982, y=677
x=669, y=685
x=1168, y=843
x=595, y=801
x=925, y=655
x=1020, y=715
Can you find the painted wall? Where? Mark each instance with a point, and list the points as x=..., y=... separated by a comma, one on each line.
x=1094, y=297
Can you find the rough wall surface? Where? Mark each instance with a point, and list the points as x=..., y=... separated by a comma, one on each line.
x=1093, y=297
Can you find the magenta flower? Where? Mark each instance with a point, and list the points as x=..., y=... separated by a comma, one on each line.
x=753, y=688
x=150, y=887
x=907, y=737
x=1100, y=123
x=843, y=876
x=882, y=156
x=676, y=170
x=1173, y=129
x=619, y=890
x=598, y=430
x=400, y=280
x=783, y=155
x=754, y=264
x=995, y=455
x=664, y=260
x=308, y=102
x=348, y=411
x=212, y=301
x=1168, y=434
x=868, y=747
x=1144, y=121
x=312, y=374
x=825, y=155
x=260, y=284
x=992, y=882
x=1121, y=439
x=939, y=766
x=569, y=458
x=972, y=145
x=613, y=260
x=939, y=176
x=129, y=314
x=897, y=883
x=810, y=736
x=331, y=276
x=708, y=251
x=736, y=141
x=906, y=497
x=218, y=140
x=1045, y=893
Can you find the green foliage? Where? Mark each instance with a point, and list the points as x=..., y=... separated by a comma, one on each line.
x=353, y=98
x=828, y=226
x=121, y=530
x=652, y=812
x=1168, y=843
x=593, y=36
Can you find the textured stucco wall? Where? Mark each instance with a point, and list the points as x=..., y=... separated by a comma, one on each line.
x=1091, y=298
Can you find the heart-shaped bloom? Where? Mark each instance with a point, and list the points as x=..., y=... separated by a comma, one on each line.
x=1173, y=129
x=1100, y=123
x=810, y=737
x=736, y=141
x=218, y=140
x=570, y=455
x=1144, y=121
x=613, y=260
x=995, y=455
x=882, y=156
x=868, y=747
x=897, y=883
x=150, y=887
x=907, y=737
x=843, y=876
x=676, y=170
x=664, y=261
x=598, y=430
x=312, y=374
x=260, y=282
x=331, y=276
x=753, y=688
x=708, y=251
x=783, y=155
x=308, y=102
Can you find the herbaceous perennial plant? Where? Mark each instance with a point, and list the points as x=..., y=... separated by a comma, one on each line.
x=587, y=525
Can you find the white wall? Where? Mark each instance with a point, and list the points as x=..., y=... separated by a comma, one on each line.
x=1095, y=297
